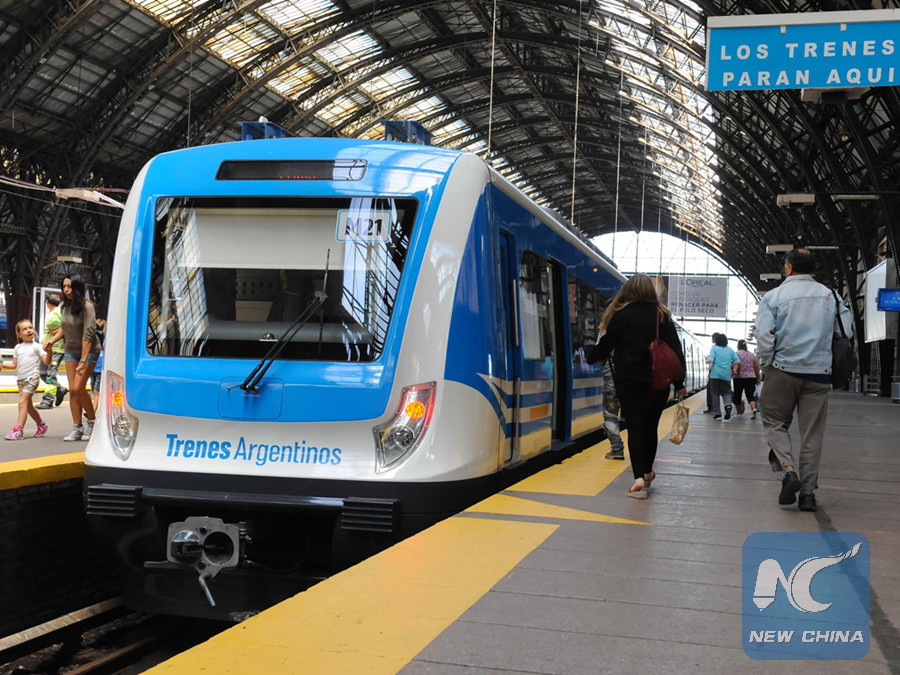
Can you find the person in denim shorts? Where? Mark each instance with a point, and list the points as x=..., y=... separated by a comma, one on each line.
x=82, y=347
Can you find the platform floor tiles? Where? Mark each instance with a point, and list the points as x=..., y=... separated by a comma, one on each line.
x=564, y=574
x=60, y=423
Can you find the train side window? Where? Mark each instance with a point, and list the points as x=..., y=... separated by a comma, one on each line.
x=534, y=309
x=585, y=312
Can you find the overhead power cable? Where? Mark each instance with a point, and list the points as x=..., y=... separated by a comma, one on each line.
x=86, y=194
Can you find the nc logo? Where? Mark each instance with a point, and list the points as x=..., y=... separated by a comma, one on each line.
x=797, y=584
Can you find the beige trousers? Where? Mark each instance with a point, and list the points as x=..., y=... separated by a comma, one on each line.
x=781, y=396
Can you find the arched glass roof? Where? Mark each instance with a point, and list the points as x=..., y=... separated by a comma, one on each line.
x=596, y=108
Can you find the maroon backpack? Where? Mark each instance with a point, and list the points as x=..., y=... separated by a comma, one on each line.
x=665, y=365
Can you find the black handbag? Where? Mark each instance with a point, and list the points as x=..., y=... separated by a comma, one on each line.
x=843, y=358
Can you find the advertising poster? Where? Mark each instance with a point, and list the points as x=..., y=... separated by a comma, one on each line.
x=698, y=297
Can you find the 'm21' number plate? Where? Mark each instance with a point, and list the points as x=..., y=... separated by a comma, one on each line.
x=364, y=226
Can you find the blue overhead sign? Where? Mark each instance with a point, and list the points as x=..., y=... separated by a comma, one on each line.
x=821, y=50
x=889, y=299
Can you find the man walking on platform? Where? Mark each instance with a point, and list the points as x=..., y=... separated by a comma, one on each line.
x=794, y=327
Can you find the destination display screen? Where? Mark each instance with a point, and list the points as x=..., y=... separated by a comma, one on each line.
x=292, y=169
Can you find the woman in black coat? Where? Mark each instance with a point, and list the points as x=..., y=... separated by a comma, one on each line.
x=630, y=325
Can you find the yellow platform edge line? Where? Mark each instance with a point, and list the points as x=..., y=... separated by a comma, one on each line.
x=588, y=473
x=517, y=506
x=585, y=474
x=15, y=391
x=38, y=470
x=376, y=616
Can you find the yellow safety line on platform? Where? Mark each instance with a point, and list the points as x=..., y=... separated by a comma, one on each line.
x=39, y=470
x=588, y=473
x=15, y=390
x=516, y=506
x=585, y=474
x=375, y=617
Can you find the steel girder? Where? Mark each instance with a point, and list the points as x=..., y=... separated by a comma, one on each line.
x=646, y=128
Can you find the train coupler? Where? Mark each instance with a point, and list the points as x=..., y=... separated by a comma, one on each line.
x=206, y=545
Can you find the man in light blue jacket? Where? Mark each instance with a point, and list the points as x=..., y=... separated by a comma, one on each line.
x=794, y=327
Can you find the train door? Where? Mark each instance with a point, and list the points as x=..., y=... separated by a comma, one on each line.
x=536, y=363
x=692, y=368
x=511, y=381
x=559, y=349
x=688, y=363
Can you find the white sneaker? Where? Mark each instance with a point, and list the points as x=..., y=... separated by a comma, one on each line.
x=88, y=429
x=76, y=433
x=738, y=415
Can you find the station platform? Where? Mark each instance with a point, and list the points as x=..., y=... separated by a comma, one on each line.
x=562, y=573
x=33, y=461
x=59, y=422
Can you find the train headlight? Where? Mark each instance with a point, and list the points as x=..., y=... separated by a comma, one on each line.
x=396, y=439
x=123, y=425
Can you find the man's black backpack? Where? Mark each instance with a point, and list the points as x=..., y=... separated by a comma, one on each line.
x=843, y=358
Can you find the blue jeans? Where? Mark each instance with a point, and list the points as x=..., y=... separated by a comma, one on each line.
x=91, y=358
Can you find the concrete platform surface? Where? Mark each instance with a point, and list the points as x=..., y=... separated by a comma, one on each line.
x=565, y=574
x=59, y=421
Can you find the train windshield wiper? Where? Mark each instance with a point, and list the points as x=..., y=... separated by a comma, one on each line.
x=251, y=383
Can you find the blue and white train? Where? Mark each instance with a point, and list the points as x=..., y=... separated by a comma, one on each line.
x=318, y=346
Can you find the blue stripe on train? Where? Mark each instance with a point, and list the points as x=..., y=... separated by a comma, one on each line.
x=584, y=392
x=475, y=339
x=532, y=426
x=476, y=343
x=589, y=410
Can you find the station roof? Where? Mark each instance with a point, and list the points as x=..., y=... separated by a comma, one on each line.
x=596, y=108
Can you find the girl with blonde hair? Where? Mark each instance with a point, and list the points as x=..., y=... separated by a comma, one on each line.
x=27, y=357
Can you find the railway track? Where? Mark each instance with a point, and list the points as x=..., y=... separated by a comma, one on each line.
x=102, y=638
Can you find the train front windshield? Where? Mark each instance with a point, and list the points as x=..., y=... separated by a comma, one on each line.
x=231, y=275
